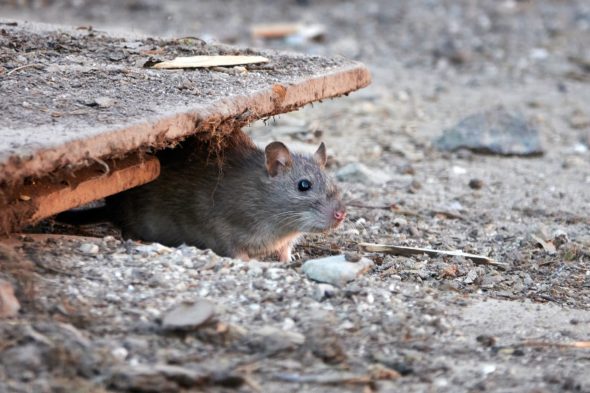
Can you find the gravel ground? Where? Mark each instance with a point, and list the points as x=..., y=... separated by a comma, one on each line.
x=97, y=313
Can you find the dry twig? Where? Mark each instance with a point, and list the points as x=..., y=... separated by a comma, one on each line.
x=35, y=65
x=572, y=345
x=408, y=251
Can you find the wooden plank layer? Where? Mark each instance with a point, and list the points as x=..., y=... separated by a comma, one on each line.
x=47, y=197
x=87, y=95
x=71, y=98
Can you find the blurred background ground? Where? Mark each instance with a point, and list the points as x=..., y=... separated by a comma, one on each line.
x=446, y=324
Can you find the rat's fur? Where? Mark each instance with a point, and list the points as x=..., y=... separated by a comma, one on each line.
x=249, y=207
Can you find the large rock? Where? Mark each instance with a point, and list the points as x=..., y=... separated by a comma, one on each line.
x=496, y=131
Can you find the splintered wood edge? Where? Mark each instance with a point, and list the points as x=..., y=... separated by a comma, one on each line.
x=166, y=128
x=44, y=198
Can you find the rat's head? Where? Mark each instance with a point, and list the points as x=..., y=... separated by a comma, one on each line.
x=307, y=198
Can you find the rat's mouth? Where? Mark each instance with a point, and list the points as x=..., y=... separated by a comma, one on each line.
x=338, y=217
x=334, y=223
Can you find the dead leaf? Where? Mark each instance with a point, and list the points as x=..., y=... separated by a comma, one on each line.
x=209, y=61
x=548, y=246
x=449, y=271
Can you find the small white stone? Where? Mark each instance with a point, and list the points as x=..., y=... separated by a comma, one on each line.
x=88, y=248
x=154, y=248
x=120, y=353
x=187, y=263
x=580, y=148
x=335, y=270
x=488, y=369
x=288, y=324
x=275, y=273
x=539, y=54
x=361, y=221
x=459, y=170
x=112, y=298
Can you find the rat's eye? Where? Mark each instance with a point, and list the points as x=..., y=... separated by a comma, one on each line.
x=304, y=185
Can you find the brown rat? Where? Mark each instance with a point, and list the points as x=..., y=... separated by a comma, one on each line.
x=253, y=204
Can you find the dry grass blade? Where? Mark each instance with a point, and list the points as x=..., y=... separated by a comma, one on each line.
x=23, y=67
x=209, y=61
x=326, y=379
x=408, y=251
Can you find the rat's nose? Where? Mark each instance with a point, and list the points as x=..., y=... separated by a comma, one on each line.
x=339, y=215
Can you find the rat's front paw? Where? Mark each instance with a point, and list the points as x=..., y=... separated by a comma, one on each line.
x=243, y=256
x=285, y=254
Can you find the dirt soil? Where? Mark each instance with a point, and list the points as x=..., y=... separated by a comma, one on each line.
x=94, y=311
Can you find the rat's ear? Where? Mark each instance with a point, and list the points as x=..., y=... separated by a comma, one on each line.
x=320, y=155
x=278, y=158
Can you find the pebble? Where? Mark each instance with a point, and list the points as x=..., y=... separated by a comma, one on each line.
x=335, y=270
x=189, y=316
x=25, y=357
x=89, y=248
x=488, y=369
x=470, y=277
x=496, y=131
x=283, y=335
x=579, y=120
x=104, y=102
x=400, y=222
x=275, y=273
x=324, y=291
x=560, y=238
x=540, y=237
x=9, y=304
x=120, y=353
x=270, y=339
x=153, y=248
x=476, y=184
x=167, y=378
x=358, y=173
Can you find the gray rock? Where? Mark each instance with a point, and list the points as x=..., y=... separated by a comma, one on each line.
x=359, y=173
x=189, y=316
x=170, y=378
x=335, y=270
x=470, y=277
x=496, y=131
x=26, y=357
x=273, y=333
x=270, y=339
